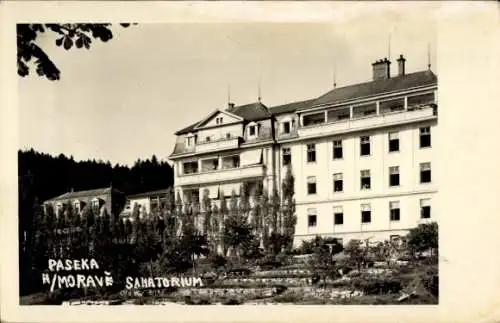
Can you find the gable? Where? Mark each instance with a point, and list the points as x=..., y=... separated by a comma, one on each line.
x=212, y=119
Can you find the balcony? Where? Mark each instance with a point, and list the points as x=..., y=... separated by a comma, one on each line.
x=222, y=175
x=380, y=120
x=222, y=144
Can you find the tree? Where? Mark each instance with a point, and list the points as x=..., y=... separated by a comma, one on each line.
x=356, y=253
x=69, y=35
x=223, y=215
x=207, y=209
x=383, y=251
x=195, y=245
x=237, y=230
x=266, y=218
x=423, y=238
x=288, y=209
x=322, y=263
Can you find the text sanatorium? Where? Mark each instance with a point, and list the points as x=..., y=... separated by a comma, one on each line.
x=162, y=282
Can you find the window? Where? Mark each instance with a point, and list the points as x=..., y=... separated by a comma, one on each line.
x=218, y=120
x=366, y=213
x=394, y=210
x=286, y=127
x=189, y=141
x=209, y=164
x=76, y=206
x=338, y=215
x=190, y=167
x=365, y=145
x=425, y=208
x=311, y=185
x=207, y=139
x=365, y=179
x=394, y=176
x=228, y=135
x=337, y=149
x=236, y=161
x=252, y=130
x=311, y=153
x=95, y=206
x=311, y=218
x=393, y=141
x=338, y=183
x=425, y=172
x=425, y=137
x=287, y=156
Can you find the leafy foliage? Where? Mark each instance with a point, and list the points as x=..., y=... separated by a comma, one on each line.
x=423, y=238
x=69, y=36
x=322, y=263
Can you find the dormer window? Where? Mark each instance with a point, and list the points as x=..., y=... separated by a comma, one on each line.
x=286, y=127
x=190, y=140
x=76, y=206
x=96, y=205
x=252, y=129
x=59, y=208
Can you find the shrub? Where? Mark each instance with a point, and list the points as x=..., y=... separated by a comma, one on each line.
x=217, y=261
x=423, y=238
x=232, y=301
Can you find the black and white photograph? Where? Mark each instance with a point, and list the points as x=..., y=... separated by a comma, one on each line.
x=238, y=163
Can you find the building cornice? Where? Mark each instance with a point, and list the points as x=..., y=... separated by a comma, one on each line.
x=241, y=147
x=368, y=197
x=350, y=131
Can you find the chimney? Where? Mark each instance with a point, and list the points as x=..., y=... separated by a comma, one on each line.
x=401, y=65
x=381, y=69
x=230, y=106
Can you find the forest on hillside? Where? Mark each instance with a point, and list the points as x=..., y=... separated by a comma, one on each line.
x=47, y=176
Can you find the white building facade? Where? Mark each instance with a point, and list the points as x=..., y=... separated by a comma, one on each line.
x=361, y=155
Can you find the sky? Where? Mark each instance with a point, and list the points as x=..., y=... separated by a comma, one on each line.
x=124, y=99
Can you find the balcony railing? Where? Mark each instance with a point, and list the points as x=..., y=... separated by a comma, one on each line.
x=221, y=144
x=222, y=175
x=420, y=113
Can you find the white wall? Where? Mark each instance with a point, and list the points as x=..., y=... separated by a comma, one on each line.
x=408, y=193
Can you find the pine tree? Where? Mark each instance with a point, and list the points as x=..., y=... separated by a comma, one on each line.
x=179, y=214
x=223, y=216
x=288, y=209
x=207, y=209
x=266, y=218
x=216, y=228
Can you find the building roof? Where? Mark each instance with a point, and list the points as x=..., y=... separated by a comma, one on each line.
x=289, y=107
x=86, y=193
x=367, y=89
x=258, y=111
x=150, y=193
x=187, y=129
x=251, y=112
